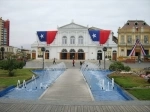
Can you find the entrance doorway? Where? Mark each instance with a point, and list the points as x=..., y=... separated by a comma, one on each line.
x=72, y=54
x=99, y=55
x=138, y=55
x=80, y=54
x=114, y=55
x=47, y=54
x=63, y=54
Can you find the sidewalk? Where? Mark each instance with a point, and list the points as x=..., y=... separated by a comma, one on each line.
x=70, y=86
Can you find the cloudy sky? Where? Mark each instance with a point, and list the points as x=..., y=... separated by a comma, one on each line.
x=28, y=16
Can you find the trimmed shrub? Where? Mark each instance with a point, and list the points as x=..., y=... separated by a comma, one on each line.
x=116, y=66
x=127, y=68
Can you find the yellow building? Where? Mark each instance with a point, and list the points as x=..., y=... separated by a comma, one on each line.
x=128, y=35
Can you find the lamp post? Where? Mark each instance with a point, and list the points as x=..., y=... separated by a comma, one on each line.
x=73, y=57
x=104, y=49
x=43, y=49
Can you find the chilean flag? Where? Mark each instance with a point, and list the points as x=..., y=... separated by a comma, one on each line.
x=46, y=36
x=99, y=35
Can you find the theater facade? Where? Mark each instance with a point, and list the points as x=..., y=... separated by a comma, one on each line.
x=73, y=41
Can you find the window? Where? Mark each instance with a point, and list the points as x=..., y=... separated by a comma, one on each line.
x=122, y=53
x=72, y=40
x=129, y=39
x=80, y=40
x=145, y=38
x=122, y=39
x=64, y=40
x=137, y=37
x=144, y=23
x=128, y=23
x=136, y=23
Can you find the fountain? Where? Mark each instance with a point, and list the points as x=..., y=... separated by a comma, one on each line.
x=33, y=83
x=32, y=89
x=24, y=84
x=108, y=87
x=112, y=83
x=18, y=84
x=102, y=87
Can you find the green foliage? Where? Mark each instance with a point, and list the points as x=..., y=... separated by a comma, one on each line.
x=10, y=65
x=141, y=94
x=20, y=74
x=127, y=68
x=148, y=80
x=116, y=66
x=134, y=84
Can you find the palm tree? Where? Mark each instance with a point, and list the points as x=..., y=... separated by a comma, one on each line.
x=2, y=50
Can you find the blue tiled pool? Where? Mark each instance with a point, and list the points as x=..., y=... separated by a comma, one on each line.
x=102, y=87
x=34, y=89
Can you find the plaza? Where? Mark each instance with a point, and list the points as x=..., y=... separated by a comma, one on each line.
x=70, y=93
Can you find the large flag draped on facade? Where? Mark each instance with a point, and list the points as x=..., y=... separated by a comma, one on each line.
x=99, y=35
x=46, y=36
x=133, y=48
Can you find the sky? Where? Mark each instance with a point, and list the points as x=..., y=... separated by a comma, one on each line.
x=28, y=16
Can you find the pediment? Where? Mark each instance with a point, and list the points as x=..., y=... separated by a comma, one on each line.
x=72, y=26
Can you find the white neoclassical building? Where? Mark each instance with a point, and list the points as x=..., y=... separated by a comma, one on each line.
x=73, y=41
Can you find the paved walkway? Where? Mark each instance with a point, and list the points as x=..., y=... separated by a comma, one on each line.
x=70, y=86
x=49, y=106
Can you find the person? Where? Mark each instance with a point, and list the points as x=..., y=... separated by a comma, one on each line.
x=80, y=64
x=54, y=62
x=73, y=62
x=139, y=60
x=99, y=62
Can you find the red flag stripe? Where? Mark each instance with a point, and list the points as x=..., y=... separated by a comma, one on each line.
x=104, y=35
x=51, y=36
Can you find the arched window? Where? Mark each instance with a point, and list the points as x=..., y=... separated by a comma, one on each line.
x=128, y=23
x=80, y=40
x=114, y=51
x=47, y=51
x=144, y=23
x=72, y=51
x=72, y=40
x=64, y=51
x=64, y=40
x=99, y=51
x=136, y=23
x=80, y=51
x=33, y=50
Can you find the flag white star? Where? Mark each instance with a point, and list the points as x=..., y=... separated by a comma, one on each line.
x=42, y=36
x=94, y=35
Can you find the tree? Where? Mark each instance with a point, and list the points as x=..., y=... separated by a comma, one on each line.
x=2, y=50
x=11, y=64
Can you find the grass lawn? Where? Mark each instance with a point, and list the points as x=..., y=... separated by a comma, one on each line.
x=141, y=94
x=130, y=81
x=20, y=74
x=134, y=84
